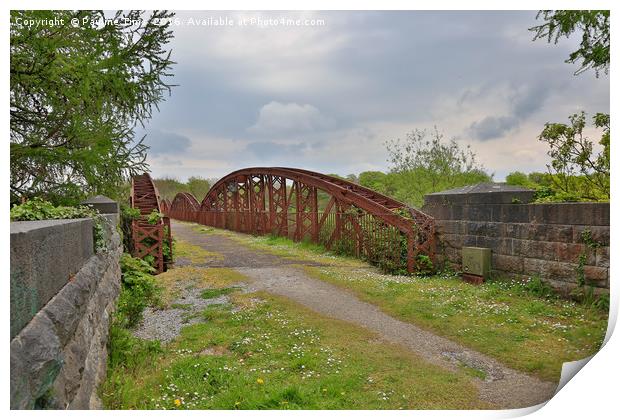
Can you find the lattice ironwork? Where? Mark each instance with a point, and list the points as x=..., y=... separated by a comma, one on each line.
x=305, y=205
x=149, y=239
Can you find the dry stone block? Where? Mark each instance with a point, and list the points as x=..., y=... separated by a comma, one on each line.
x=508, y=263
x=596, y=275
x=602, y=257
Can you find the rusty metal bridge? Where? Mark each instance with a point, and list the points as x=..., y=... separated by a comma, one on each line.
x=149, y=237
x=308, y=206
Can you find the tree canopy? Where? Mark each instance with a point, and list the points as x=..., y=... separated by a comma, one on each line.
x=424, y=163
x=80, y=83
x=168, y=188
x=593, y=51
x=576, y=168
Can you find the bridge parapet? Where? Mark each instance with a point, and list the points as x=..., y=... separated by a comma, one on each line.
x=62, y=296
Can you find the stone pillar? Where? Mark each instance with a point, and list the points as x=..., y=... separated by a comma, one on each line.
x=102, y=204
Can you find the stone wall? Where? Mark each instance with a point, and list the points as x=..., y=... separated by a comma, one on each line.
x=526, y=239
x=64, y=293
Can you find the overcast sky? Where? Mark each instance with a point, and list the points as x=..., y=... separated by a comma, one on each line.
x=327, y=97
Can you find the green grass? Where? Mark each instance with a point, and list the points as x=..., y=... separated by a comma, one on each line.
x=269, y=353
x=501, y=319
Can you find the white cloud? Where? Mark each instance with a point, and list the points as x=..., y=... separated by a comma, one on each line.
x=278, y=119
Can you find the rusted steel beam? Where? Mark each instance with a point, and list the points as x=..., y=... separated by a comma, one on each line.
x=328, y=208
x=147, y=238
x=256, y=200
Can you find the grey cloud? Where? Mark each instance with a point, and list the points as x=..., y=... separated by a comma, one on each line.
x=492, y=127
x=162, y=142
x=530, y=100
x=277, y=119
x=364, y=69
x=524, y=102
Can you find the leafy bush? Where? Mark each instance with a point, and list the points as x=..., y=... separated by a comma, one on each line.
x=128, y=215
x=39, y=209
x=139, y=289
x=154, y=217
x=602, y=302
x=424, y=265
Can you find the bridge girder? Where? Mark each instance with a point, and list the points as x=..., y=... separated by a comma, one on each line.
x=306, y=205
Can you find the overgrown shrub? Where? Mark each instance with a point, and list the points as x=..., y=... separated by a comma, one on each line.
x=139, y=289
x=127, y=216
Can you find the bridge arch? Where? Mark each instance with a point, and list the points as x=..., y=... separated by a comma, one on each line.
x=306, y=205
x=165, y=205
x=149, y=238
x=185, y=207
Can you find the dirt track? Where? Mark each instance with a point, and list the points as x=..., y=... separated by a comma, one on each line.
x=503, y=387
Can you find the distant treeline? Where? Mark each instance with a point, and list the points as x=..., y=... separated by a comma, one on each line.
x=169, y=187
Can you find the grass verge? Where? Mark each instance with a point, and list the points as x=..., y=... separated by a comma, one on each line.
x=194, y=253
x=501, y=318
x=265, y=352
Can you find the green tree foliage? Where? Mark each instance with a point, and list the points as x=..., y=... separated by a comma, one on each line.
x=423, y=165
x=375, y=180
x=77, y=91
x=169, y=187
x=199, y=187
x=593, y=51
x=575, y=167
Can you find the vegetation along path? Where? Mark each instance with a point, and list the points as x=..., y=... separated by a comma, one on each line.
x=499, y=386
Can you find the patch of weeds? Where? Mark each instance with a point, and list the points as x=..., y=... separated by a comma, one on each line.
x=129, y=352
x=196, y=277
x=217, y=310
x=539, y=288
x=39, y=209
x=187, y=317
x=213, y=293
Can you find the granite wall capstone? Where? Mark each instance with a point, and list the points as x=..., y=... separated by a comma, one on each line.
x=63, y=296
x=526, y=239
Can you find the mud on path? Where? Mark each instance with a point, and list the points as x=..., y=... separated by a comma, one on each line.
x=502, y=387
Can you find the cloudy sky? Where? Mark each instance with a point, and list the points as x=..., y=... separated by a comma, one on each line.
x=326, y=97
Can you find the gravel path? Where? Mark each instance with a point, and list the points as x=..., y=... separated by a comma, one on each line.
x=503, y=387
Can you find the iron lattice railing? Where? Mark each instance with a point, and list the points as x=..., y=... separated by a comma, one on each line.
x=308, y=206
x=149, y=239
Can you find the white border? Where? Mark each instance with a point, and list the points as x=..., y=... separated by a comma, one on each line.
x=591, y=394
